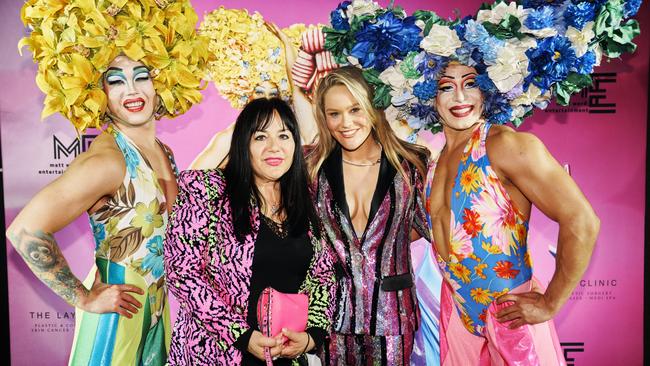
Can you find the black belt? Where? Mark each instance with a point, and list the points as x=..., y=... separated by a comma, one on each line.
x=397, y=282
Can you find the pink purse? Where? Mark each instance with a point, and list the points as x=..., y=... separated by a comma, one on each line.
x=277, y=310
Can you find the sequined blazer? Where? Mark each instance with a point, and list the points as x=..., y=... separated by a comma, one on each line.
x=376, y=291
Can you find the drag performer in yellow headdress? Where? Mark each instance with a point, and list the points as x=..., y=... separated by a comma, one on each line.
x=124, y=63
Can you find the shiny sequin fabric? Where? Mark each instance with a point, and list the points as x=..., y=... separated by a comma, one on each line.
x=364, y=263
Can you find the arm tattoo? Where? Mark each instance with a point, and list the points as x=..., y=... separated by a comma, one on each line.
x=43, y=256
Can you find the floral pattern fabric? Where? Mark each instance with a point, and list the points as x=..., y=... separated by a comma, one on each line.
x=488, y=249
x=129, y=229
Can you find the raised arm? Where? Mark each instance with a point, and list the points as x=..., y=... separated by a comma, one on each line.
x=301, y=104
x=89, y=178
x=526, y=162
x=215, y=154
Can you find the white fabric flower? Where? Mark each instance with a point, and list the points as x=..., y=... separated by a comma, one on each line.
x=533, y=96
x=599, y=54
x=510, y=68
x=402, y=97
x=361, y=7
x=353, y=61
x=441, y=41
x=539, y=33
x=393, y=77
x=502, y=10
x=580, y=38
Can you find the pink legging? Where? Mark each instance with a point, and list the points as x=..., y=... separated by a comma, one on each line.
x=527, y=345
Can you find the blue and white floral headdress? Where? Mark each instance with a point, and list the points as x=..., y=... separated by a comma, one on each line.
x=525, y=52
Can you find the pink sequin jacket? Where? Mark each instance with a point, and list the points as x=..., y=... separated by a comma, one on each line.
x=208, y=270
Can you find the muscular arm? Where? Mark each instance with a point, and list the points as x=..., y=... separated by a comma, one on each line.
x=216, y=152
x=89, y=178
x=527, y=164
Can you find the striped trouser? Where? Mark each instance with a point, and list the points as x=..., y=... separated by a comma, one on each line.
x=365, y=350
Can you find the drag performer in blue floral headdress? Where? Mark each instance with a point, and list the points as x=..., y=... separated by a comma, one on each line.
x=468, y=77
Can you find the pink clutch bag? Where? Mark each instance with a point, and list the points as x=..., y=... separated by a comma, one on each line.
x=277, y=310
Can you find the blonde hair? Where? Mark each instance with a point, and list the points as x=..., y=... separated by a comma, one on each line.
x=394, y=148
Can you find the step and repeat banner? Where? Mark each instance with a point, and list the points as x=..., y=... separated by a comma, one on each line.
x=600, y=137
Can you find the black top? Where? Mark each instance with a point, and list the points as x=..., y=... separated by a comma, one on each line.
x=281, y=263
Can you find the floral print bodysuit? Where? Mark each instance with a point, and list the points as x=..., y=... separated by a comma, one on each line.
x=488, y=250
x=129, y=231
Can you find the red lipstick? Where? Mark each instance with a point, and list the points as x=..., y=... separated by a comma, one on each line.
x=461, y=111
x=134, y=105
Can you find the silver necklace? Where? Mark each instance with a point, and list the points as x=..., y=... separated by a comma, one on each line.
x=362, y=164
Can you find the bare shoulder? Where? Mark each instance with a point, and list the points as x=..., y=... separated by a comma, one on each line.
x=504, y=141
x=102, y=161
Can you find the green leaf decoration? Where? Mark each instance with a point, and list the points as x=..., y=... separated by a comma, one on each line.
x=507, y=28
x=382, y=96
x=573, y=83
x=613, y=37
x=408, y=68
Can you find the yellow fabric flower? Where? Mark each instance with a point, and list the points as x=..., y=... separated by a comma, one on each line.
x=470, y=178
x=491, y=248
x=246, y=54
x=478, y=269
x=74, y=41
x=147, y=217
x=481, y=295
x=460, y=271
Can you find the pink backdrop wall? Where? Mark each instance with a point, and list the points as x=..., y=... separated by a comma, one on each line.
x=605, y=152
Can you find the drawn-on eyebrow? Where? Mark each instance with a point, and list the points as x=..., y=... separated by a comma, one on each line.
x=451, y=77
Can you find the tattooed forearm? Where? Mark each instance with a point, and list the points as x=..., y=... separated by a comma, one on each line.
x=43, y=256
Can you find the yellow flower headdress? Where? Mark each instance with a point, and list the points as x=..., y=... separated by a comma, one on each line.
x=74, y=41
x=245, y=53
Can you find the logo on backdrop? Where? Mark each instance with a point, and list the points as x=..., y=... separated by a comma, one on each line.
x=594, y=99
x=571, y=350
x=64, y=150
x=51, y=321
x=595, y=289
x=592, y=289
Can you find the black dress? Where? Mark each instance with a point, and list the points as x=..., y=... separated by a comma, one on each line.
x=279, y=262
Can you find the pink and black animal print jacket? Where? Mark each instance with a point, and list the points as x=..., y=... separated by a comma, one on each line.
x=209, y=270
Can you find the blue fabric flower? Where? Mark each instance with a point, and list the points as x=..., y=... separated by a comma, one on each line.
x=585, y=64
x=550, y=62
x=486, y=84
x=631, y=8
x=425, y=90
x=420, y=116
x=577, y=15
x=380, y=43
x=337, y=17
x=540, y=18
x=497, y=108
x=478, y=37
x=154, y=259
x=536, y=4
x=99, y=232
x=430, y=65
x=131, y=156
